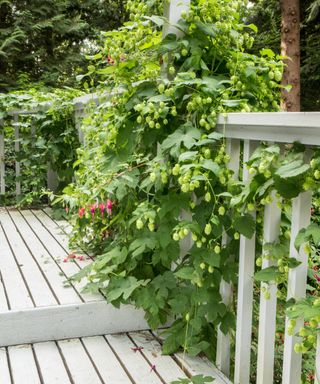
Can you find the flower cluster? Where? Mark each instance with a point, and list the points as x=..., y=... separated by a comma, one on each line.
x=94, y=208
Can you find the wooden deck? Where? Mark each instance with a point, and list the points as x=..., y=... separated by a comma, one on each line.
x=52, y=332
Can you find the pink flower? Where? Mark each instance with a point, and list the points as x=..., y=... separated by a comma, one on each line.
x=81, y=212
x=72, y=256
x=109, y=207
x=67, y=210
x=80, y=258
x=93, y=209
x=102, y=207
x=153, y=367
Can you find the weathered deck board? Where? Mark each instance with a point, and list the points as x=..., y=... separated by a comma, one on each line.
x=108, y=359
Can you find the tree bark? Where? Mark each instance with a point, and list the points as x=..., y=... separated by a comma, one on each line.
x=290, y=47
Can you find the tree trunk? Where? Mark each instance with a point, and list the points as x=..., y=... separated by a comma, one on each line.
x=290, y=47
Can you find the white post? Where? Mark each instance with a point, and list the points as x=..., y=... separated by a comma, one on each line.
x=268, y=308
x=245, y=292
x=172, y=12
x=17, y=149
x=297, y=280
x=226, y=289
x=317, y=367
x=2, y=163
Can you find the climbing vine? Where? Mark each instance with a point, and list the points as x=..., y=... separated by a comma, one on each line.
x=154, y=193
x=47, y=137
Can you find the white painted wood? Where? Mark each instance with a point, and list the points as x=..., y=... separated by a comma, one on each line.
x=281, y=127
x=12, y=280
x=245, y=292
x=67, y=321
x=201, y=366
x=3, y=299
x=41, y=292
x=4, y=367
x=50, y=363
x=59, y=254
x=226, y=290
x=135, y=363
x=166, y=367
x=105, y=361
x=317, y=363
x=23, y=365
x=172, y=12
x=53, y=274
x=59, y=233
x=2, y=162
x=268, y=308
x=80, y=366
x=297, y=279
x=17, y=149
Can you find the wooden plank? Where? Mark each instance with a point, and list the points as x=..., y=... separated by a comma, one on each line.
x=58, y=253
x=166, y=367
x=4, y=367
x=245, y=292
x=80, y=366
x=268, y=308
x=23, y=365
x=17, y=150
x=68, y=321
x=2, y=161
x=136, y=364
x=281, y=127
x=105, y=361
x=53, y=274
x=40, y=290
x=61, y=234
x=11, y=277
x=201, y=366
x=297, y=280
x=50, y=363
x=226, y=290
x=3, y=298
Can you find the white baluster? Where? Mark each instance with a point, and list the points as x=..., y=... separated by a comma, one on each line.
x=268, y=308
x=297, y=280
x=245, y=292
x=226, y=290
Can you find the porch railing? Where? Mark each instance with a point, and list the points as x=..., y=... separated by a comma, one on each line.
x=246, y=131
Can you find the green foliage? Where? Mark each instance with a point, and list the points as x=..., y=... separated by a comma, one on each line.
x=47, y=137
x=152, y=154
x=46, y=41
x=198, y=379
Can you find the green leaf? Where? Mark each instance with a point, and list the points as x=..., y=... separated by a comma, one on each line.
x=123, y=287
x=210, y=165
x=293, y=169
x=267, y=274
x=186, y=273
x=245, y=225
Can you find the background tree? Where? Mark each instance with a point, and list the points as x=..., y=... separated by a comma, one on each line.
x=43, y=40
x=266, y=14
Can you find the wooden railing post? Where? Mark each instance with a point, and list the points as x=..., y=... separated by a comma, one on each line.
x=17, y=150
x=297, y=281
x=226, y=290
x=245, y=292
x=268, y=307
x=2, y=161
x=172, y=12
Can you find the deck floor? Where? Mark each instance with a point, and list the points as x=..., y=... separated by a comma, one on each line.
x=128, y=358
x=34, y=270
x=52, y=332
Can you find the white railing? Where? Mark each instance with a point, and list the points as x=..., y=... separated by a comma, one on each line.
x=253, y=128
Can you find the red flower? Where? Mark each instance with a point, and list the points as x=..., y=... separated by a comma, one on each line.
x=81, y=212
x=109, y=207
x=93, y=209
x=102, y=207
